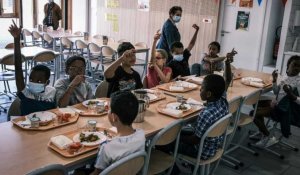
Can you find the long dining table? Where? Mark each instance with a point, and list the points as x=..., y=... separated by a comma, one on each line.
x=23, y=151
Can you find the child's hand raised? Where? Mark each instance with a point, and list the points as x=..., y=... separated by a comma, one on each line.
x=196, y=27
x=275, y=75
x=157, y=35
x=14, y=30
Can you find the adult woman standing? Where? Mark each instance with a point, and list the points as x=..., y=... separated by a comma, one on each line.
x=52, y=14
x=170, y=33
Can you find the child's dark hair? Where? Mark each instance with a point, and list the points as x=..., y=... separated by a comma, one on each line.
x=293, y=58
x=215, y=84
x=125, y=105
x=42, y=68
x=176, y=44
x=215, y=43
x=104, y=37
x=123, y=47
x=72, y=59
x=173, y=10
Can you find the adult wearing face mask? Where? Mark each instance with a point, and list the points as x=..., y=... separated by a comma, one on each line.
x=170, y=33
x=52, y=14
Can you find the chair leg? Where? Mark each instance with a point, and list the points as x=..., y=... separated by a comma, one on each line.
x=289, y=145
x=230, y=164
x=206, y=170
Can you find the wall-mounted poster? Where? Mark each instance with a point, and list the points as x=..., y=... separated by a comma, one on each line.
x=246, y=3
x=143, y=5
x=231, y=2
x=242, y=20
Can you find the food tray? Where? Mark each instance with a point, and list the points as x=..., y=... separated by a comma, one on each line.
x=166, y=86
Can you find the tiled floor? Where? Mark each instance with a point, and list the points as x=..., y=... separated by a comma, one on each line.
x=264, y=164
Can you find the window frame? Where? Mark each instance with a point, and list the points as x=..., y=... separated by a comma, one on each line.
x=15, y=13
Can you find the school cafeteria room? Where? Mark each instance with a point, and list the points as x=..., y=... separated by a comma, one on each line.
x=126, y=87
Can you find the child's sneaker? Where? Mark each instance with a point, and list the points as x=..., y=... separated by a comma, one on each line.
x=266, y=142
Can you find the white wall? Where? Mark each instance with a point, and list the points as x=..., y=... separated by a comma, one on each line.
x=79, y=15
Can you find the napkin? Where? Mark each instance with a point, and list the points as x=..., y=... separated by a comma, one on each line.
x=61, y=141
x=113, y=129
x=193, y=101
x=176, y=88
x=173, y=112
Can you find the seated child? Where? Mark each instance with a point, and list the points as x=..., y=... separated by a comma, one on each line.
x=157, y=71
x=74, y=89
x=180, y=62
x=123, y=110
x=287, y=104
x=36, y=95
x=120, y=74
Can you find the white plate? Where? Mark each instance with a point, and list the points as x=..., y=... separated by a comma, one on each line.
x=101, y=136
x=44, y=116
x=152, y=96
x=253, y=79
x=174, y=105
x=186, y=84
x=85, y=103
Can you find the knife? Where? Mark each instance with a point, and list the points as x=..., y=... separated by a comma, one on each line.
x=172, y=95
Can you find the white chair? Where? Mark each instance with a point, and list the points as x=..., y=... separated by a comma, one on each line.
x=47, y=40
x=80, y=47
x=234, y=109
x=94, y=54
x=158, y=161
x=78, y=33
x=130, y=165
x=37, y=38
x=218, y=129
x=27, y=37
x=67, y=44
x=56, y=169
x=107, y=54
x=97, y=36
x=142, y=57
x=14, y=109
x=249, y=102
x=102, y=89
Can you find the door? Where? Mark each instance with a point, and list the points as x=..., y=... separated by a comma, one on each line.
x=246, y=40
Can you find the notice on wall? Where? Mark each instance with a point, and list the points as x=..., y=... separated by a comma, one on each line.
x=246, y=3
x=242, y=20
x=112, y=3
x=114, y=19
x=143, y=5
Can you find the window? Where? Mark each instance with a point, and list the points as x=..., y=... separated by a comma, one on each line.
x=8, y=8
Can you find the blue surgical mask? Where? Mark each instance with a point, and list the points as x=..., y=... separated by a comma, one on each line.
x=178, y=57
x=176, y=19
x=36, y=87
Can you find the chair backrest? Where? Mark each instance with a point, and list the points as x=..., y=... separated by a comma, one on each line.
x=12, y=45
x=141, y=44
x=26, y=32
x=47, y=38
x=44, y=56
x=234, y=109
x=56, y=169
x=98, y=36
x=94, y=48
x=14, y=109
x=130, y=164
x=66, y=42
x=107, y=51
x=36, y=35
x=122, y=41
x=111, y=40
x=10, y=60
x=80, y=44
x=78, y=33
x=102, y=89
x=252, y=99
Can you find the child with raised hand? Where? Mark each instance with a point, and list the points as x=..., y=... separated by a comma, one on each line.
x=180, y=62
x=120, y=75
x=73, y=89
x=157, y=71
x=285, y=108
x=36, y=95
x=123, y=111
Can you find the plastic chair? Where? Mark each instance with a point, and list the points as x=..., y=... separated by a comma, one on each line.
x=47, y=40
x=141, y=44
x=80, y=46
x=94, y=54
x=27, y=34
x=67, y=44
x=122, y=41
x=47, y=57
x=111, y=40
x=130, y=164
x=56, y=169
x=102, y=89
x=14, y=109
x=219, y=128
x=245, y=120
x=107, y=54
x=37, y=38
x=98, y=36
x=78, y=33
x=142, y=61
x=158, y=161
x=234, y=109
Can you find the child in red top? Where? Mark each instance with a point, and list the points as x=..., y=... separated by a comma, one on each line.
x=157, y=71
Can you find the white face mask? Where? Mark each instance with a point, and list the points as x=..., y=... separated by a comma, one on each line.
x=176, y=19
x=36, y=87
x=178, y=57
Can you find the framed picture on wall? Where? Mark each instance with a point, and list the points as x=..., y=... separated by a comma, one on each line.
x=143, y=5
x=246, y=3
x=231, y=2
x=242, y=20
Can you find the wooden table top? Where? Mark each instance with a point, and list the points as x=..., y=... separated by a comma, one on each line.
x=28, y=52
x=22, y=151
